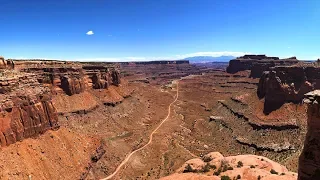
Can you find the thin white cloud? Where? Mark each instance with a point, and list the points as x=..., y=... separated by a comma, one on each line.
x=89, y=33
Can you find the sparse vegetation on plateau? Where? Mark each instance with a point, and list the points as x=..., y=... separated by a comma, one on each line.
x=206, y=159
x=240, y=164
x=217, y=173
x=188, y=169
x=206, y=168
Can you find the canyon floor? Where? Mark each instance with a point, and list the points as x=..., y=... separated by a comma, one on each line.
x=215, y=111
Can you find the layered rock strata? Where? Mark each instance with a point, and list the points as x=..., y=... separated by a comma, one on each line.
x=75, y=80
x=30, y=91
x=26, y=108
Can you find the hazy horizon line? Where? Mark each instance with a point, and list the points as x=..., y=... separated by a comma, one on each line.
x=155, y=58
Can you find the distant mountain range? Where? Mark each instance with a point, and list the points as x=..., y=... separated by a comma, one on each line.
x=206, y=59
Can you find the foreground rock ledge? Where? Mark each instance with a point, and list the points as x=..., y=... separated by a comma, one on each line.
x=214, y=166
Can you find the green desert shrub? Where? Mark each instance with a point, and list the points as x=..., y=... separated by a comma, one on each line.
x=206, y=168
x=217, y=173
x=225, y=178
x=188, y=169
x=240, y=164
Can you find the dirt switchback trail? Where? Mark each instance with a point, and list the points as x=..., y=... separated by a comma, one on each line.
x=150, y=138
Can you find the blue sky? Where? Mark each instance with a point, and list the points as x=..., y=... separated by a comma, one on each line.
x=158, y=29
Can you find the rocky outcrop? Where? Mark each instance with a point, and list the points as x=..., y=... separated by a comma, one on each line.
x=287, y=84
x=257, y=64
x=215, y=166
x=309, y=162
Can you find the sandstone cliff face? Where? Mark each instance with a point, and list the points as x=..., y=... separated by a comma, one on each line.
x=28, y=90
x=75, y=79
x=26, y=119
x=257, y=64
x=215, y=166
x=287, y=84
x=309, y=162
x=72, y=85
x=26, y=109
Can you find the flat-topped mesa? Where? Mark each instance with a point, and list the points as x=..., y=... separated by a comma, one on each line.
x=309, y=161
x=257, y=64
x=258, y=57
x=283, y=84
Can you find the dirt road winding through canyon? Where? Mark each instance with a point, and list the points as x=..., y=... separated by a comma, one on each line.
x=150, y=137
